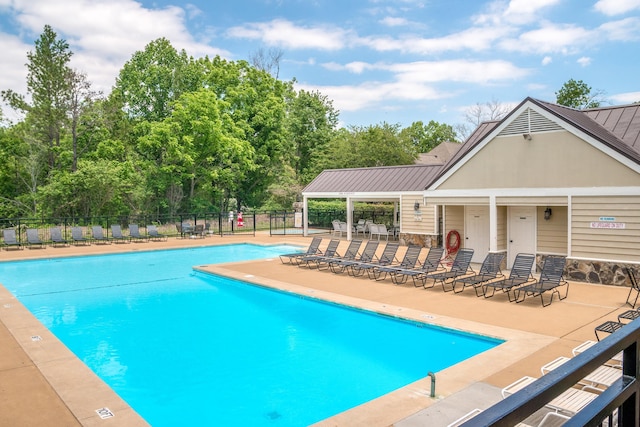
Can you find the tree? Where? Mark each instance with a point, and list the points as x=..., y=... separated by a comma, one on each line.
x=426, y=137
x=479, y=113
x=579, y=95
x=268, y=61
x=81, y=99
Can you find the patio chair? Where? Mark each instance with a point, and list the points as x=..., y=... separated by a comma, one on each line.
x=117, y=236
x=635, y=286
x=352, y=252
x=489, y=270
x=368, y=254
x=597, y=380
x=77, y=236
x=608, y=327
x=387, y=257
x=614, y=362
x=461, y=267
x=338, y=228
x=379, y=230
x=431, y=264
x=313, y=249
x=360, y=227
x=98, y=235
x=466, y=417
x=136, y=236
x=520, y=275
x=198, y=231
x=551, y=279
x=155, y=235
x=330, y=251
x=9, y=239
x=33, y=239
x=56, y=237
x=409, y=261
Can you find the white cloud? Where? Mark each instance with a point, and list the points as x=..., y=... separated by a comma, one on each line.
x=280, y=32
x=584, y=61
x=626, y=98
x=516, y=12
x=626, y=30
x=547, y=60
x=550, y=38
x=391, y=21
x=457, y=71
x=616, y=7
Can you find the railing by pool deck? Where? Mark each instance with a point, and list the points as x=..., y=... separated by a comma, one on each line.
x=620, y=401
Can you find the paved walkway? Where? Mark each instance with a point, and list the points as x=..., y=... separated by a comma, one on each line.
x=41, y=383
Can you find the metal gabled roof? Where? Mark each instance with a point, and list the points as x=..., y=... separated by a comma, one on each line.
x=384, y=179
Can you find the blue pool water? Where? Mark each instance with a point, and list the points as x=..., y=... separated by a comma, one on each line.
x=186, y=348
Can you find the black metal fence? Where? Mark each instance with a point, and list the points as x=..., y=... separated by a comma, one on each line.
x=285, y=222
x=619, y=404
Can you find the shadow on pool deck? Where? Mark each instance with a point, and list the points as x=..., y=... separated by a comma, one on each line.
x=43, y=384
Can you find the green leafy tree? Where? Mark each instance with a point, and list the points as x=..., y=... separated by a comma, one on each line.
x=577, y=94
x=426, y=137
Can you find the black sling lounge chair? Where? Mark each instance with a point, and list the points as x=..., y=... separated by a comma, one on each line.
x=155, y=235
x=635, y=286
x=33, y=239
x=98, y=235
x=520, y=275
x=551, y=279
x=409, y=260
x=9, y=239
x=311, y=260
x=431, y=264
x=352, y=252
x=134, y=233
x=460, y=267
x=313, y=249
x=56, y=237
x=489, y=270
x=117, y=236
x=367, y=255
x=387, y=257
x=78, y=237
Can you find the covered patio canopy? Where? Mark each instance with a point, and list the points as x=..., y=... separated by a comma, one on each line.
x=385, y=183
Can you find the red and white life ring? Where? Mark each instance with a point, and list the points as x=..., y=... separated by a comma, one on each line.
x=453, y=242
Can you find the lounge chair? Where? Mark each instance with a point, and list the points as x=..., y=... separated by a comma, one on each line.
x=330, y=251
x=155, y=235
x=597, y=380
x=520, y=275
x=56, y=237
x=98, y=235
x=461, y=267
x=198, y=231
x=635, y=286
x=608, y=327
x=614, y=362
x=352, y=252
x=313, y=249
x=367, y=255
x=387, y=257
x=33, y=239
x=117, y=236
x=409, y=261
x=551, y=279
x=134, y=233
x=10, y=240
x=78, y=237
x=489, y=270
x=466, y=417
x=431, y=264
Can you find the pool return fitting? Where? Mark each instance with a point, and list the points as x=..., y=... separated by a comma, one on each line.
x=433, y=383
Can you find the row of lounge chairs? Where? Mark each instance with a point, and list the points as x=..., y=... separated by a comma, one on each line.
x=519, y=285
x=611, y=326
x=78, y=236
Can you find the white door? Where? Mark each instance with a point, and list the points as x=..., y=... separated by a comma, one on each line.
x=522, y=232
x=477, y=231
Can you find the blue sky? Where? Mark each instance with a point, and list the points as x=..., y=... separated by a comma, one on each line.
x=397, y=61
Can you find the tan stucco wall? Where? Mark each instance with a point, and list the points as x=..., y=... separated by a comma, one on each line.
x=555, y=159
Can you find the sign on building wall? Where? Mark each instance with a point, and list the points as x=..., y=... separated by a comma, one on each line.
x=604, y=224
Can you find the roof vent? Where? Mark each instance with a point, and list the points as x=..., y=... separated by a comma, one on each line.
x=529, y=122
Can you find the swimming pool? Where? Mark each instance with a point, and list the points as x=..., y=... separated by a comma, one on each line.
x=185, y=348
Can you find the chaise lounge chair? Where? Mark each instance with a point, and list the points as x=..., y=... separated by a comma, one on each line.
x=313, y=260
x=431, y=264
x=367, y=255
x=98, y=235
x=78, y=237
x=461, y=267
x=489, y=270
x=520, y=275
x=551, y=279
x=387, y=258
x=33, y=239
x=409, y=261
x=352, y=252
x=313, y=249
x=56, y=237
x=155, y=235
x=134, y=233
x=635, y=286
x=9, y=239
x=117, y=236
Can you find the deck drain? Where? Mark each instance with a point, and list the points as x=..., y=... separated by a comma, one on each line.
x=105, y=413
x=274, y=415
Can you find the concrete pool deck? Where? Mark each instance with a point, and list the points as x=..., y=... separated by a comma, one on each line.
x=42, y=383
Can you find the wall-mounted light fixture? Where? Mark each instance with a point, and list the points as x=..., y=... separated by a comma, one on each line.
x=547, y=214
x=416, y=206
x=526, y=136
